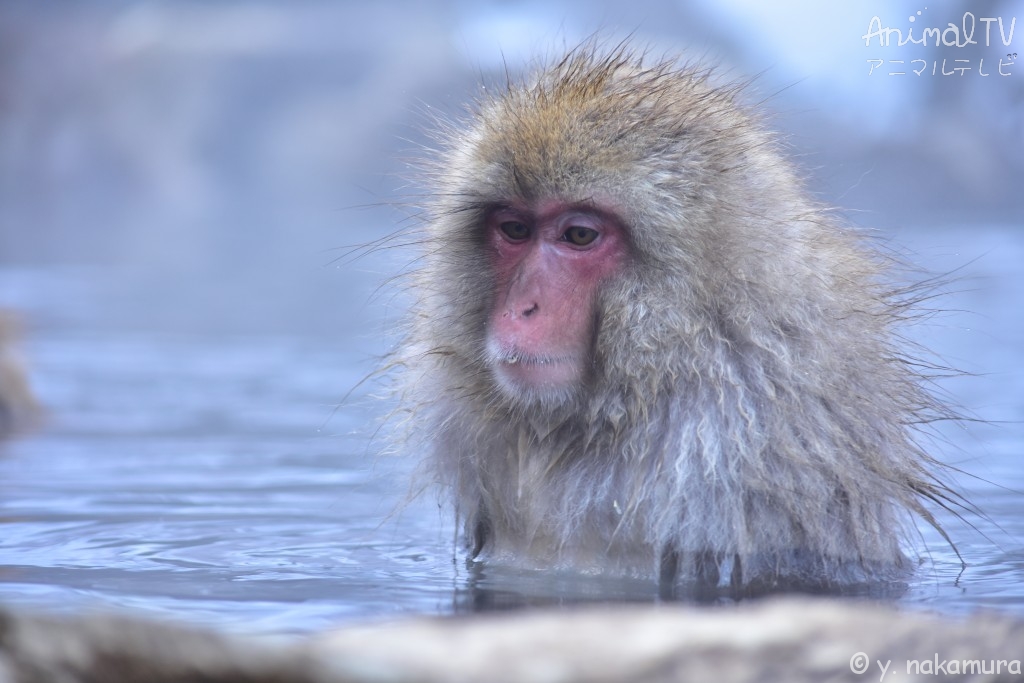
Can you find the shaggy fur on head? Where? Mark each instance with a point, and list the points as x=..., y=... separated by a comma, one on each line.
x=748, y=418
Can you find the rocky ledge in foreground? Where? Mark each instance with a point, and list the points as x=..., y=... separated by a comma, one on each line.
x=776, y=640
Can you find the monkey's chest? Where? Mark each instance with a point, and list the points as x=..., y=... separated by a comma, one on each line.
x=563, y=516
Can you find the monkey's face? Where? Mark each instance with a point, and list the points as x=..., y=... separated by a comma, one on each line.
x=549, y=260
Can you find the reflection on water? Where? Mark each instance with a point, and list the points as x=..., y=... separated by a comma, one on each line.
x=489, y=588
x=214, y=480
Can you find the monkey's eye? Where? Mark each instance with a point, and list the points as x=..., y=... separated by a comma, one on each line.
x=580, y=236
x=515, y=231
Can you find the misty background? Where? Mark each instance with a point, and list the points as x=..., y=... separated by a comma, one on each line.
x=209, y=163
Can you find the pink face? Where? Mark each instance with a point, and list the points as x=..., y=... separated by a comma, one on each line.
x=549, y=261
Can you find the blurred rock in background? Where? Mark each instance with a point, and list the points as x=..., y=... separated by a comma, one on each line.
x=18, y=407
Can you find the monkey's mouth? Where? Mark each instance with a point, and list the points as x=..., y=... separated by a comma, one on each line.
x=515, y=357
x=517, y=370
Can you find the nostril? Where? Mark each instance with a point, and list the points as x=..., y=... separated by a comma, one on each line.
x=531, y=310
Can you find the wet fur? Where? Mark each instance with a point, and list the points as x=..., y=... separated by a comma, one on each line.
x=749, y=416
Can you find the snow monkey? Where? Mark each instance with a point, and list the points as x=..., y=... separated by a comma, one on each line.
x=640, y=348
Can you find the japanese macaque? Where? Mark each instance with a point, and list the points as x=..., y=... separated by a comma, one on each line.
x=640, y=348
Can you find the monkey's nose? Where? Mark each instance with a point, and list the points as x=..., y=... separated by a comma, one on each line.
x=530, y=310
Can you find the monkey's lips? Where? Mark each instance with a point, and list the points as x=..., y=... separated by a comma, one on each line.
x=518, y=371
